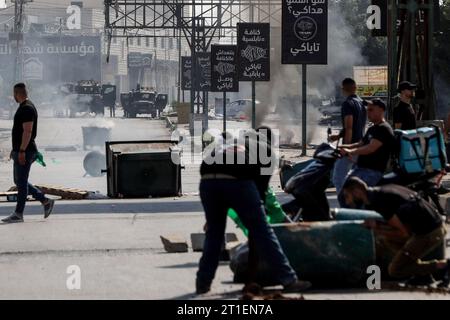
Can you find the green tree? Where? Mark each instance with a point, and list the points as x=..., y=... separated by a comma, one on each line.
x=374, y=49
x=442, y=44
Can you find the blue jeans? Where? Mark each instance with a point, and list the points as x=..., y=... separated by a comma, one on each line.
x=217, y=197
x=21, y=173
x=341, y=169
x=369, y=176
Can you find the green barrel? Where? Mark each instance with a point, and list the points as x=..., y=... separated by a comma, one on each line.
x=328, y=253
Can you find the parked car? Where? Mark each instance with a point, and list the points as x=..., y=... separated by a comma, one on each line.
x=238, y=109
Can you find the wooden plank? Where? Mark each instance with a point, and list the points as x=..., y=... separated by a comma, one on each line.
x=64, y=193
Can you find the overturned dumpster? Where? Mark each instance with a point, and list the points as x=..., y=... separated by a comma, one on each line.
x=329, y=254
x=140, y=169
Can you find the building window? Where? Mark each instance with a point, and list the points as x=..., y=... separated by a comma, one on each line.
x=155, y=42
x=163, y=44
x=139, y=41
x=170, y=43
x=130, y=41
x=147, y=42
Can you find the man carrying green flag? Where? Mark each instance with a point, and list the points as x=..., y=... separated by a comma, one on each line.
x=24, y=153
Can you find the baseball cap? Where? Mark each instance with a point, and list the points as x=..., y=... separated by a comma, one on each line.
x=406, y=85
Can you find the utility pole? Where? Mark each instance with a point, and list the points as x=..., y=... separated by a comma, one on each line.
x=17, y=36
x=60, y=49
x=179, y=68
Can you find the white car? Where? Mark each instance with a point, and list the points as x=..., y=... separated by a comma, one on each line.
x=239, y=109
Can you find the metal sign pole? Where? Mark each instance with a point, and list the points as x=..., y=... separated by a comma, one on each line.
x=254, y=104
x=304, y=89
x=224, y=111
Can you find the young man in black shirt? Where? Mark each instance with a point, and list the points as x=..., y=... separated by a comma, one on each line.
x=374, y=151
x=234, y=177
x=24, y=152
x=412, y=221
x=404, y=114
x=354, y=118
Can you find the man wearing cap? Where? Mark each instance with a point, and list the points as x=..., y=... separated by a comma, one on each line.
x=404, y=114
x=374, y=151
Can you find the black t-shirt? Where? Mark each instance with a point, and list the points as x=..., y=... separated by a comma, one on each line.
x=404, y=114
x=415, y=213
x=25, y=113
x=380, y=158
x=250, y=169
x=353, y=106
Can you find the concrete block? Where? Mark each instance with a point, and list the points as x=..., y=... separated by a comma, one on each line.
x=198, y=239
x=174, y=244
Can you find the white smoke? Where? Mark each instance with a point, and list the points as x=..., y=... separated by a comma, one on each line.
x=322, y=81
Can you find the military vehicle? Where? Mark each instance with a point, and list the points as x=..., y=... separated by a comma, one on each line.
x=143, y=101
x=88, y=96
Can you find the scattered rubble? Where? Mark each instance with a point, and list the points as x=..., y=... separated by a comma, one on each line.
x=253, y=291
x=174, y=244
x=198, y=239
x=398, y=286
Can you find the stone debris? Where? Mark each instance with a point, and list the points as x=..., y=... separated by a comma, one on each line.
x=254, y=291
x=174, y=244
x=198, y=239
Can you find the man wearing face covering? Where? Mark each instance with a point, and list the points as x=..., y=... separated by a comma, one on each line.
x=415, y=227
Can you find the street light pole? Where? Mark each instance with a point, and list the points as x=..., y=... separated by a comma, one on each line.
x=18, y=35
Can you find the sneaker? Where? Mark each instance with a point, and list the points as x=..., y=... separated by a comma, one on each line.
x=297, y=286
x=201, y=288
x=13, y=218
x=48, y=207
